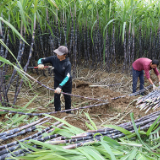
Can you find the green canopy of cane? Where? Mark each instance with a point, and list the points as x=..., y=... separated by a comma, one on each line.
x=124, y=13
x=140, y=13
x=138, y=18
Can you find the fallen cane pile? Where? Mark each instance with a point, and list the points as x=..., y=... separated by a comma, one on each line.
x=13, y=148
x=7, y=149
x=150, y=101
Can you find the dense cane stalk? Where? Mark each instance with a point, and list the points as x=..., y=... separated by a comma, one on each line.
x=75, y=46
x=30, y=56
x=125, y=53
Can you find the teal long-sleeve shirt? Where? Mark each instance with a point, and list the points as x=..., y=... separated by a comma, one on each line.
x=62, y=69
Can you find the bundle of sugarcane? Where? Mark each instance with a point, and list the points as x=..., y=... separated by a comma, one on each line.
x=80, y=141
x=8, y=152
x=30, y=137
x=150, y=101
x=142, y=123
x=10, y=132
x=92, y=140
x=88, y=137
x=6, y=149
x=30, y=129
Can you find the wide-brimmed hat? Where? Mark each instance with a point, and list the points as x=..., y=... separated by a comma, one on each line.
x=61, y=50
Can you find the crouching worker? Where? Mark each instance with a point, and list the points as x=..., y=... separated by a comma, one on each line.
x=137, y=71
x=62, y=76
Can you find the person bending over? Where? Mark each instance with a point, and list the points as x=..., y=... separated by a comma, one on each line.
x=145, y=64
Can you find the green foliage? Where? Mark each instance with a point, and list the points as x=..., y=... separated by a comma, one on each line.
x=106, y=148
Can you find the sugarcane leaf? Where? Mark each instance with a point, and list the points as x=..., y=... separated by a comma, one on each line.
x=50, y=102
x=13, y=29
x=130, y=143
x=79, y=157
x=126, y=157
x=89, y=126
x=27, y=147
x=111, y=141
x=21, y=11
x=18, y=69
x=134, y=134
x=5, y=60
x=51, y=156
x=118, y=152
x=133, y=154
x=92, y=30
x=19, y=119
x=54, y=148
x=108, y=149
x=93, y=124
x=73, y=129
x=53, y=2
x=90, y=153
x=156, y=146
x=141, y=156
x=30, y=101
x=10, y=109
x=104, y=30
x=119, y=129
x=2, y=65
x=63, y=132
x=152, y=126
x=155, y=131
x=137, y=133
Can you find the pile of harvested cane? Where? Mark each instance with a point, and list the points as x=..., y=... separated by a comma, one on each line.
x=5, y=150
x=150, y=101
x=13, y=148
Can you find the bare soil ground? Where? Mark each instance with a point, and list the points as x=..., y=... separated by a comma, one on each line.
x=116, y=112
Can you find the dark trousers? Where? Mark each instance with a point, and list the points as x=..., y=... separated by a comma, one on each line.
x=67, y=88
x=137, y=74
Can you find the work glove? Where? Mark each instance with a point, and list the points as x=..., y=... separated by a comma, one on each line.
x=41, y=66
x=58, y=90
x=154, y=87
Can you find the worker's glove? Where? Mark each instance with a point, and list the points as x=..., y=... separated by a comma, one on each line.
x=58, y=90
x=41, y=66
x=154, y=87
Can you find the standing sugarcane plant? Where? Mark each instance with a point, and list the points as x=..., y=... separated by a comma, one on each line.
x=71, y=37
x=65, y=28
x=98, y=48
x=150, y=44
x=124, y=45
x=133, y=46
x=75, y=45
x=2, y=98
x=113, y=45
x=107, y=51
x=159, y=40
x=129, y=47
x=30, y=55
x=84, y=46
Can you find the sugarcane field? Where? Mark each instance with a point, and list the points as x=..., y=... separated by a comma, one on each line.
x=79, y=80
